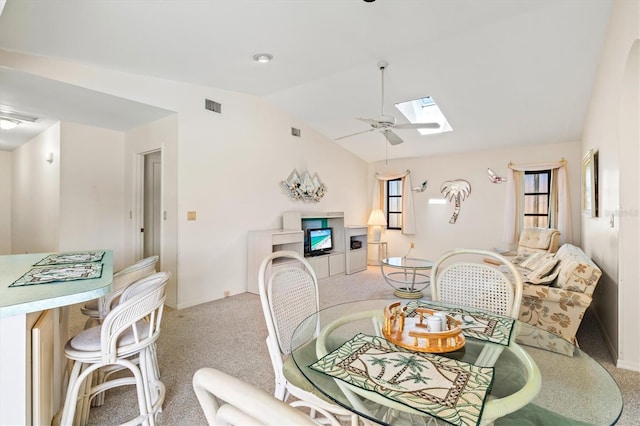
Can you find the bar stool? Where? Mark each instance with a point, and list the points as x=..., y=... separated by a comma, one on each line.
x=125, y=340
x=97, y=309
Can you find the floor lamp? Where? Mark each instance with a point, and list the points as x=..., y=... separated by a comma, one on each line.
x=377, y=220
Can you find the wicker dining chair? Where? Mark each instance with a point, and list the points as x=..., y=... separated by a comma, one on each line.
x=479, y=279
x=244, y=404
x=289, y=293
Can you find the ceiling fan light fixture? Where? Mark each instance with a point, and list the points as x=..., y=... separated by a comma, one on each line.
x=10, y=120
x=385, y=123
x=263, y=58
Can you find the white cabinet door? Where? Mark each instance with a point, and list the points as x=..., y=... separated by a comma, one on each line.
x=336, y=264
x=357, y=260
x=320, y=265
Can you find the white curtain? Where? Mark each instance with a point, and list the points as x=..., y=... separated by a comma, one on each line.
x=559, y=205
x=408, y=214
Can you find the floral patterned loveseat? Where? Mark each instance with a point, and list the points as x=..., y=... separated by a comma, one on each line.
x=559, y=306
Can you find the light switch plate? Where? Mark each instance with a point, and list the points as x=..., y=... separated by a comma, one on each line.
x=191, y=215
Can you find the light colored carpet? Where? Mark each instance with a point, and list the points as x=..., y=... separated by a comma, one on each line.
x=229, y=335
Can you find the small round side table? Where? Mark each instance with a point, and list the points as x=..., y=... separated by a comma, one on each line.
x=407, y=275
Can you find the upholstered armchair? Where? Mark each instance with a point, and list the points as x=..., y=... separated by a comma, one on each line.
x=535, y=240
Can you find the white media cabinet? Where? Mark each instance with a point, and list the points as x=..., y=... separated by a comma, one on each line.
x=342, y=259
x=261, y=244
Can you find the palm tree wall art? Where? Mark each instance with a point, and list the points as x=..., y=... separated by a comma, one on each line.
x=455, y=190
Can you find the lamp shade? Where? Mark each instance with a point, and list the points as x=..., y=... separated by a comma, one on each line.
x=377, y=218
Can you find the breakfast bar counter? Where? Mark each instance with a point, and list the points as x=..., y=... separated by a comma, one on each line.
x=34, y=328
x=39, y=297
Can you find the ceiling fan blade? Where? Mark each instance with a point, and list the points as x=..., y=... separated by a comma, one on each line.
x=354, y=134
x=417, y=126
x=370, y=121
x=392, y=137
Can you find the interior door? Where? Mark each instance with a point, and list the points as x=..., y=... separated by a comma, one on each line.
x=152, y=204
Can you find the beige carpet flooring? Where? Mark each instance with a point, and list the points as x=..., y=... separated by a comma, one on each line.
x=229, y=335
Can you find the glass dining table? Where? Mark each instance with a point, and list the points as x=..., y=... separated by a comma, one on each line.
x=507, y=372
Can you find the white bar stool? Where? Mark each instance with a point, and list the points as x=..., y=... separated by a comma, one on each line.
x=125, y=340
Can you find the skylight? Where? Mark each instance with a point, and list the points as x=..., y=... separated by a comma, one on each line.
x=424, y=110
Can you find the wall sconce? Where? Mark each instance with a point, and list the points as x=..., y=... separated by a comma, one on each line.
x=377, y=220
x=49, y=158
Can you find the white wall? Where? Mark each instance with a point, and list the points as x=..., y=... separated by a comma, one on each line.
x=230, y=175
x=91, y=190
x=5, y=202
x=35, y=195
x=159, y=135
x=227, y=167
x=612, y=129
x=481, y=219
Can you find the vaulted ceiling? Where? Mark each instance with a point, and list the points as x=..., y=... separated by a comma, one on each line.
x=504, y=72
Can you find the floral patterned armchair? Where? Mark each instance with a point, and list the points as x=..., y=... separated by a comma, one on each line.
x=559, y=306
x=533, y=240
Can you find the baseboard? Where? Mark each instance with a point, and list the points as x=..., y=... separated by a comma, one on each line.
x=619, y=363
x=610, y=346
x=628, y=365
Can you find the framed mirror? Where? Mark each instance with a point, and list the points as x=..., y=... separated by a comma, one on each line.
x=590, y=184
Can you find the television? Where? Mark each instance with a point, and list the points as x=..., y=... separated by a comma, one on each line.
x=320, y=240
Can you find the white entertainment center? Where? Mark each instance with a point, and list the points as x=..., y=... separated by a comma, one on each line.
x=348, y=255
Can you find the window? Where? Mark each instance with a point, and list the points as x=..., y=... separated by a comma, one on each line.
x=537, y=190
x=394, y=204
x=424, y=110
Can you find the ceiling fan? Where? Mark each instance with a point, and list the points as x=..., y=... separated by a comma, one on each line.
x=385, y=123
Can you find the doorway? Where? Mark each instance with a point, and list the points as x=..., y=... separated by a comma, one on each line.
x=151, y=205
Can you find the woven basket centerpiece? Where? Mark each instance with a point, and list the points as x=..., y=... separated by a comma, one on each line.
x=428, y=331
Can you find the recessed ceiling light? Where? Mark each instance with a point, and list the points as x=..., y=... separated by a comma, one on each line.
x=263, y=58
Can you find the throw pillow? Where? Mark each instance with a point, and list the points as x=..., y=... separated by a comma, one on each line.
x=535, y=260
x=545, y=273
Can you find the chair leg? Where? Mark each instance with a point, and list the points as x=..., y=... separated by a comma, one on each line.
x=154, y=354
x=84, y=404
x=98, y=377
x=281, y=391
x=154, y=389
x=81, y=392
x=77, y=400
x=156, y=384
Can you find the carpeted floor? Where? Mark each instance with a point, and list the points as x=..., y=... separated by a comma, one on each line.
x=229, y=335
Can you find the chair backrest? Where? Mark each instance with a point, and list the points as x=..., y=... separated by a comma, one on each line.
x=137, y=317
x=456, y=278
x=243, y=403
x=132, y=273
x=124, y=278
x=289, y=293
x=534, y=240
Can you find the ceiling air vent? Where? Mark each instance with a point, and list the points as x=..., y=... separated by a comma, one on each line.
x=295, y=132
x=213, y=106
